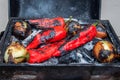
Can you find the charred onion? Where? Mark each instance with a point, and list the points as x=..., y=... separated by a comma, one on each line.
x=21, y=29
x=13, y=51
x=104, y=51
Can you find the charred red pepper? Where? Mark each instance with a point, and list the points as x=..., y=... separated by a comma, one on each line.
x=48, y=23
x=44, y=53
x=78, y=40
x=55, y=34
x=81, y=38
x=55, y=50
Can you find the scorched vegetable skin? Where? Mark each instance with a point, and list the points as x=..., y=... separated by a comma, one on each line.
x=55, y=34
x=44, y=53
x=82, y=37
x=48, y=23
x=78, y=40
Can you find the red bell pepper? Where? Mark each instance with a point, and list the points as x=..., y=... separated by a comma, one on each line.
x=80, y=39
x=61, y=47
x=48, y=23
x=44, y=53
x=56, y=34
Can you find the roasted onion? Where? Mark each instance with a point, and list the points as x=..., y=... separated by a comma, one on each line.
x=104, y=51
x=13, y=52
x=21, y=29
x=73, y=27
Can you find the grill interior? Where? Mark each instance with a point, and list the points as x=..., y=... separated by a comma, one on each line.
x=80, y=10
x=33, y=71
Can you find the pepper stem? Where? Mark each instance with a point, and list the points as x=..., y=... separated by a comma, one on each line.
x=70, y=18
x=96, y=23
x=67, y=22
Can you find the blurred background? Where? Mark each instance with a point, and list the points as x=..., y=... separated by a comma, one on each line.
x=110, y=10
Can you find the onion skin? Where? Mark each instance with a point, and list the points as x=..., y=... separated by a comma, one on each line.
x=104, y=51
x=21, y=30
x=13, y=51
x=73, y=27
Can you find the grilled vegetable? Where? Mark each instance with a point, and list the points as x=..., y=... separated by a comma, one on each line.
x=104, y=51
x=44, y=53
x=79, y=39
x=13, y=51
x=73, y=27
x=101, y=31
x=55, y=34
x=63, y=47
x=48, y=23
x=21, y=30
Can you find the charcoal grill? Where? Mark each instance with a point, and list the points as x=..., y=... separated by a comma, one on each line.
x=86, y=11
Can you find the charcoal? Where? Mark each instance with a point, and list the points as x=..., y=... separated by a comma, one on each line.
x=89, y=46
x=86, y=55
x=51, y=61
x=70, y=57
x=81, y=58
